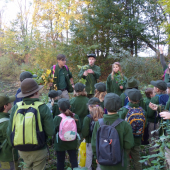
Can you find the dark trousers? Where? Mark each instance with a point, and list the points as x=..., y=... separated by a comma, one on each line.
x=61, y=159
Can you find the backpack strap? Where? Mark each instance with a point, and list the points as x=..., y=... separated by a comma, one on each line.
x=66, y=67
x=62, y=115
x=90, y=116
x=117, y=122
x=101, y=122
x=54, y=68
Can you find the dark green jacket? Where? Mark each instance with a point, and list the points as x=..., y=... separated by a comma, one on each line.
x=65, y=145
x=113, y=87
x=46, y=118
x=123, y=96
x=79, y=107
x=67, y=74
x=6, y=152
x=125, y=136
x=86, y=129
x=122, y=114
x=55, y=109
x=167, y=107
x=91, y=79
x=152, y=113
x=147, y=103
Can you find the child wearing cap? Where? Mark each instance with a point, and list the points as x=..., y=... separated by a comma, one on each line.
x=116, y=80
x=131, y=83
x=91, y=74
x=100, y=92
x=134, y=97
x=62, y=146
x=79, y=102
x=160, y=99
x=112, y=103
x=8, y=155
x=96, y=112
x=53, y=104
x=23, y=75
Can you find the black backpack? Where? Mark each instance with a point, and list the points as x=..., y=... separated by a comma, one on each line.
x=92, y=123
x=108, y=148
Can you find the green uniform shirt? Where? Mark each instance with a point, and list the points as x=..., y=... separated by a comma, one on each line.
x=67, y=76
x=113, y=87
x=55, y=109
x=152, y=113
x=62, y=82
x=122, y=114
x=167, y=107
x=46, y=118
x=65, y=145
x=125, y=136
x=91, y=79
x=147, y=103
x=123, y=96
x=6, y=152
x=79, y=107
x=86, y=129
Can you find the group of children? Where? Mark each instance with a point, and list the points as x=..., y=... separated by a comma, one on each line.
x=118, y=103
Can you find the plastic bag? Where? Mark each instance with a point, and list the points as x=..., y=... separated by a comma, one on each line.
x=82, y=154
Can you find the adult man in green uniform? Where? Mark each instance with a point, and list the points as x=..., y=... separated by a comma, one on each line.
x=62, y=76
x=91, y=73
x=35, y=159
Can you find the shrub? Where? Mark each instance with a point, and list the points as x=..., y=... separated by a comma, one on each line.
x=143, y=69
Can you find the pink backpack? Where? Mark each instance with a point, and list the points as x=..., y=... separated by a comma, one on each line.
x=67, y=129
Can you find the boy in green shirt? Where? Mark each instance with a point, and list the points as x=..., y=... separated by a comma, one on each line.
x=8, y=155
x=112, y=103
x=91, y=74
x=134, y=97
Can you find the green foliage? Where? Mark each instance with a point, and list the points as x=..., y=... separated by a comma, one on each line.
x=143, y=69
x=159, y=144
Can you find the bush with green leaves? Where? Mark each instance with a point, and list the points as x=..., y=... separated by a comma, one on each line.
x=143, y=69
x=159, y=144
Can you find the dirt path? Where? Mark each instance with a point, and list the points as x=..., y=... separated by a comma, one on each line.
x=9, y=87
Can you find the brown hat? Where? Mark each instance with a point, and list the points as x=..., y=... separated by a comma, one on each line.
x=28, y=87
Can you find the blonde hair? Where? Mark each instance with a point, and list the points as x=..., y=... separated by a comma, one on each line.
x=81, y=93
x=120, y=70
x=96, y=112
x=100, y=95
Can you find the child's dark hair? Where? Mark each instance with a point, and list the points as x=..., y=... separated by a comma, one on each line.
x=69, y=113
x=2, y=108
x=148, y=92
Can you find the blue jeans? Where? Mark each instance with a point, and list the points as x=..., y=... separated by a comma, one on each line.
x=61, y=159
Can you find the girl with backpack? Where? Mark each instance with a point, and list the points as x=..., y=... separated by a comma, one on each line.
x=96, y=112
x=116, y=80
x=67, y=126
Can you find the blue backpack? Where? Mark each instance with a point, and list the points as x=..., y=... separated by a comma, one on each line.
x=163, y=98
x=136, y=118
x=92, y=123
x=126, y=100
x=108, y=148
